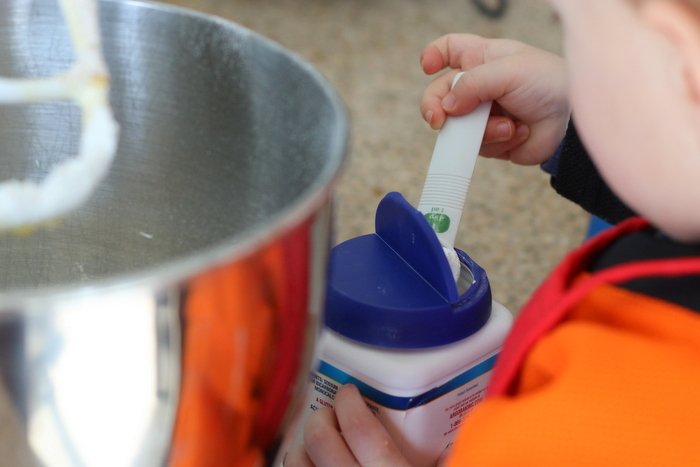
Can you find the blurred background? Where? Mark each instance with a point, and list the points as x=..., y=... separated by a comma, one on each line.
x=514, y=224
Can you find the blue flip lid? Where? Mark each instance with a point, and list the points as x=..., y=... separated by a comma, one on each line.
x=394, y=288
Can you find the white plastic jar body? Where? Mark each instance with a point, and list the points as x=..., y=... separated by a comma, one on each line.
x=420, y=395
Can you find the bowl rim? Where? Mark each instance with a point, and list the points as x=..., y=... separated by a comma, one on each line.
x=227, y=250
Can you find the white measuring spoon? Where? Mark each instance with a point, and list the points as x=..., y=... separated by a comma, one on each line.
x=450, y=173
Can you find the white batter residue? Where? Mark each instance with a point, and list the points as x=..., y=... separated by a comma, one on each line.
x=453, y=260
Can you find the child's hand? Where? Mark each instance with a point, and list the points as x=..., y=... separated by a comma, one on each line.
x=348, y=435
x=528, y=85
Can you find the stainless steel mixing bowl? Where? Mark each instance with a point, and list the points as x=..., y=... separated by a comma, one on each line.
x=164, y=322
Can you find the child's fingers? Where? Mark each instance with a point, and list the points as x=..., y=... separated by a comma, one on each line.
x=499, y=129
x=529, y=146
x=363, y=432
x=323, y=442
x=453, y=50
x=297, y=457
x=506, y=149
x=479, y=84
x=431, y=103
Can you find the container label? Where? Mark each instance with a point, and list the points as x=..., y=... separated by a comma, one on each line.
x=423, y=425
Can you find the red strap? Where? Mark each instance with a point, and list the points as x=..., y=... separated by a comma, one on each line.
x=556, y=296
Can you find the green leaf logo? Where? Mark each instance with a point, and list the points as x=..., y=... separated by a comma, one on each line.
x=438, y=221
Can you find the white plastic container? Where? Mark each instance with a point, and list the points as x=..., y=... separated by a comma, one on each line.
x=421, y=396
x=419, y=347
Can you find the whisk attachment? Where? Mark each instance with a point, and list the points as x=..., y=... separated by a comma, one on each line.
x=69, y=184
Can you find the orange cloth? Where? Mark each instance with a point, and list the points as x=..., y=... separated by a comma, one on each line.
x=245, y=331
x=224, y=360
x=616, y=383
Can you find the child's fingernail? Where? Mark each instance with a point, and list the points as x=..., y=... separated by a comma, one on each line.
x=523, y=131
x=503, y=132
x=428, y=116
x=449, y=102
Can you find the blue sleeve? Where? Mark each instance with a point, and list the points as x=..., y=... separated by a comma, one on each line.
x=574, y=176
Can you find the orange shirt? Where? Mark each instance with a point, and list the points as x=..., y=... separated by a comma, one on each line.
x=614, y=380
